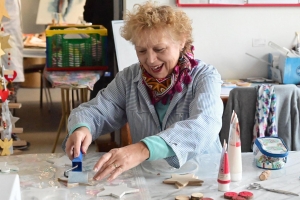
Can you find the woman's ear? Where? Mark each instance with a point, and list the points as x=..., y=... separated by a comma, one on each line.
x=182, y=44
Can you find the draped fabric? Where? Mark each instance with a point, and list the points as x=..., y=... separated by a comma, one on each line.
x=265, y=114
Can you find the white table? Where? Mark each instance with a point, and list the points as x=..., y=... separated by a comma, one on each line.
x=284, y=179
x=36, y=171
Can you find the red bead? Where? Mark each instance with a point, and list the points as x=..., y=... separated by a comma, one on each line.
x=229, y=195
x=238, y=198
x=246, y=194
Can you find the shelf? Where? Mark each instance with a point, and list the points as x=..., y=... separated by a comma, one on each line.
x=34, y=52
x=13, y=105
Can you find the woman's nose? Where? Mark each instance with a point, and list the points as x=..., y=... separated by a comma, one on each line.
x=151, y=57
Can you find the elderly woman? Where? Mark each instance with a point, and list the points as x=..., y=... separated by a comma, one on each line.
x=170, y=100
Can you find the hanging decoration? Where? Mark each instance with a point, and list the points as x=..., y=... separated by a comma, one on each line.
x=4, y=42
x=7, y=120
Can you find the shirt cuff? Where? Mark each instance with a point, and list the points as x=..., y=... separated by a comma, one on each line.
x=158, y=148
x=78, y=126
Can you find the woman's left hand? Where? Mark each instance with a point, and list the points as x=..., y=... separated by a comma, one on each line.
x=116, y=161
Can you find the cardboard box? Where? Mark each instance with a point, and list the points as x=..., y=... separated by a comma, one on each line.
x=32, y=79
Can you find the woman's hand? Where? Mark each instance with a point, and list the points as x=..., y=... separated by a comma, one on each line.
x=80, y=139
x=116, y=161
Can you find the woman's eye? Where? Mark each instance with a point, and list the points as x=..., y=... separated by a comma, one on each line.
x=159, y=50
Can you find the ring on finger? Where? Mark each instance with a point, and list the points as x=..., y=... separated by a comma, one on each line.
x=116, y=165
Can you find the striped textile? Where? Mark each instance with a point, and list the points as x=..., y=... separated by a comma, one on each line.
x=192, y=122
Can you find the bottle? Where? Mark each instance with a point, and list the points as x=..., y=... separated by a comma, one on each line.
x=234, y=149
x=224, y=171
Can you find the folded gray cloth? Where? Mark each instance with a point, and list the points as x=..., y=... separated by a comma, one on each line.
x=243, y=100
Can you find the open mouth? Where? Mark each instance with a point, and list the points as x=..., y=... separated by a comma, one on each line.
x=157, y=68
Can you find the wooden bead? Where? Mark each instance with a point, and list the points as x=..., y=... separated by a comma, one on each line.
x=264, y=175
x=182, y=197
x=246, y=194
x=238, y=198
x=229, y=195
x=197, y=196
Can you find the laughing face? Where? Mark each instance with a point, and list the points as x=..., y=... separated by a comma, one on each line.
x=158, y=52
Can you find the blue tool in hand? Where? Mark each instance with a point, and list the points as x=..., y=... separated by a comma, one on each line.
x=77, y=162
x=75, y=174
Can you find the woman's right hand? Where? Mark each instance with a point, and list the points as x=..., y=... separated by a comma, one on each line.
x=78, y=141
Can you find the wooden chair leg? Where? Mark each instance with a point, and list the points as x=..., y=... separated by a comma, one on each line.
x=41, y=90
x=63, y=117
x=125, y=135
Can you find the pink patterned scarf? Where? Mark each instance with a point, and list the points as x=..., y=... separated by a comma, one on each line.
x=165, y=88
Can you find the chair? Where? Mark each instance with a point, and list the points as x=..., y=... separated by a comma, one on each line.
x=107, y=142
x=243, y=102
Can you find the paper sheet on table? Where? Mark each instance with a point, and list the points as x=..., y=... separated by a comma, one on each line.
x=227, y=1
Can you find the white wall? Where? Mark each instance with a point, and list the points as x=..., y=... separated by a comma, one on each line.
x=223, y=35
x=29, y=9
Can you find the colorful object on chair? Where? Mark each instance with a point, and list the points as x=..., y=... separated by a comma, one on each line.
x=265, y=114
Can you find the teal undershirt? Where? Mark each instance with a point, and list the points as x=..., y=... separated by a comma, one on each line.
x=161, y=110
x=157, y=146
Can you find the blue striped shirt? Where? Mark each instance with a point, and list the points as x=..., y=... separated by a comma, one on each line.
x=190, y=126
